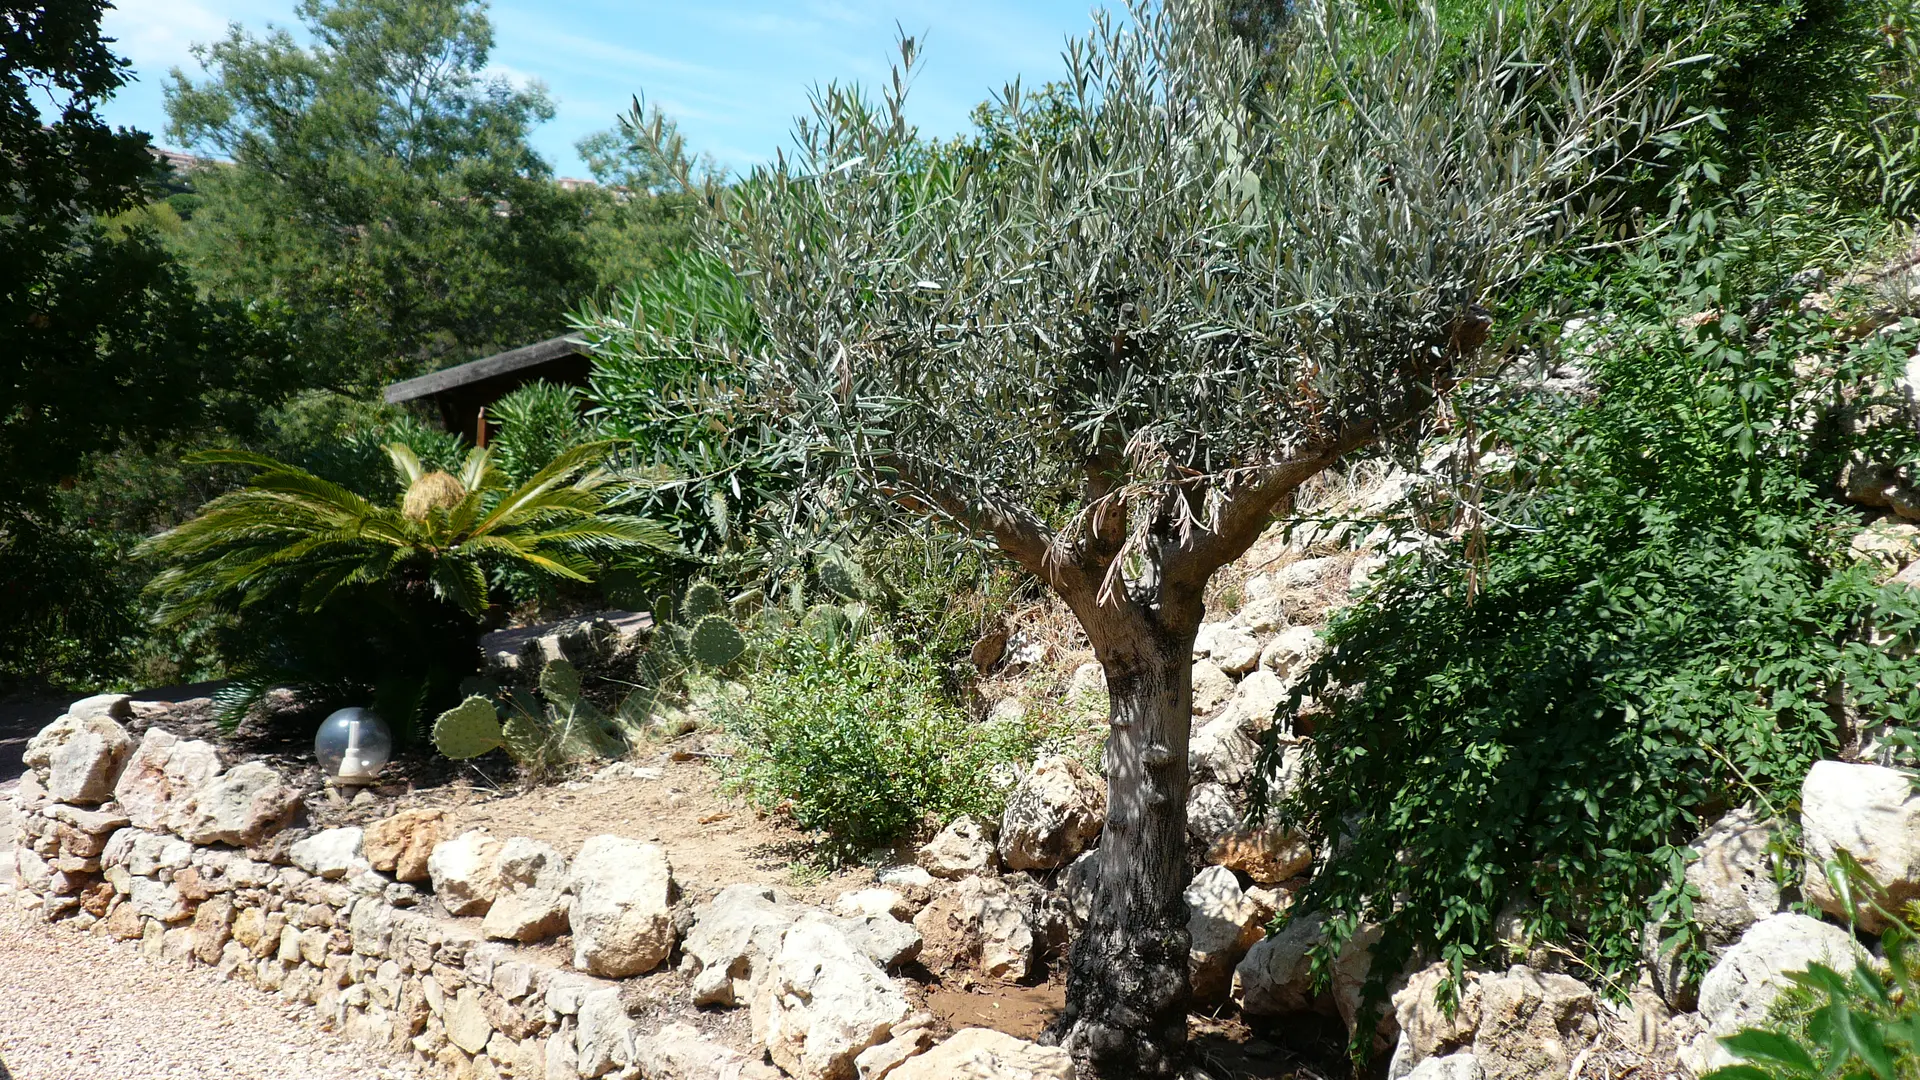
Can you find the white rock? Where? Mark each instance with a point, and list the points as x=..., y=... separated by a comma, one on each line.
x=1305, y=574
x=1212, y=813
x=1289, y=654
x=962, y=848
x=977, y=924
x=241, y=807
x=1461, y=1066
x=160, y=774
x=79, y=758
x=680, y=1052
x=1276, y=976
x=605, y=1038
x=146, y=854
x=1255, y=700
x=985, y=1054
x=1222, y=924
x=1221, y=751
x=731, y=938
x=332, y=854
x=622, y=907
x=1078, y=883
x=858, y=903
x=1532, y=1024
x=1211, y=687
x=1055, y=813
x=1742, y=987
x=905, y=877
x=464, y=872
x=103, y=707
x=530, y=864
x=1088, y=686
x=1232, y=649
x=822, y=1002
x=1873, y=814
x=910, y=1037
x=527, y=914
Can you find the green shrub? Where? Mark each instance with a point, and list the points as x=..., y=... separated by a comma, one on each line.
x=535, y=424
x=859, y=743
x=1662, y=621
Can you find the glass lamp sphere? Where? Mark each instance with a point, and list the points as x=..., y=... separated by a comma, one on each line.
x=353, y=746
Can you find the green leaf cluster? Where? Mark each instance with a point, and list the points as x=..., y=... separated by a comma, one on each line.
x=1664, y=622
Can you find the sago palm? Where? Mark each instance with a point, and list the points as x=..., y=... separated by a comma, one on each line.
x=334, y=594
x=289, y=530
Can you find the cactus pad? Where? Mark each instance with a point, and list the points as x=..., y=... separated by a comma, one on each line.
x=468, y=730
x=715, y=642
x=703, y=599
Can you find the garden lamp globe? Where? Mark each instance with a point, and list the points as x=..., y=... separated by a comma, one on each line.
x=353, y=746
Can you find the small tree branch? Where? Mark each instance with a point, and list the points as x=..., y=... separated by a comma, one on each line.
x=1017, y=531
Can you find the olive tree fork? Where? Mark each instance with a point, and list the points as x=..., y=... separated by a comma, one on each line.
x=1117, y=339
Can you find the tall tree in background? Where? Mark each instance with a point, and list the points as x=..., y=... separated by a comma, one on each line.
x=383, y=202
x=1115, y=350
x=643, y=214
x=103, y=339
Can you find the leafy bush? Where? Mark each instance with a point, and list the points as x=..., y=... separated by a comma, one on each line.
x=1665, y=623
x=858, y=742
x=536, y=423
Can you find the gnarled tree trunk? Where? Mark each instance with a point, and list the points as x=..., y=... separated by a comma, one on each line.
x=1127, y=985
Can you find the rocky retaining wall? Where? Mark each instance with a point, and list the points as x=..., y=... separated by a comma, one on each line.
x=399, y=935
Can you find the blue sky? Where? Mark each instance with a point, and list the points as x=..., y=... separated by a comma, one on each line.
x=733, y=72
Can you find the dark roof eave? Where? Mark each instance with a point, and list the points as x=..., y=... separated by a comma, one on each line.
x=488, y=367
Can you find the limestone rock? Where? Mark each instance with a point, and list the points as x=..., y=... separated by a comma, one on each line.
x=1275, y=978
x=331, y=854
x=1087, y=687
x=985, y=1054
x=1267, y=853
x=680, y=1052
x=79, y=758
x=910, y=1037
x=1212, y=812
x=977, y=924
x=606, y=1034
x=1232, y=650
x=1255, y=700
x=464, y=872
x=1078, y=883
x=527, y=915
x=1742, y=987
x=1889, y=541
x=1532, y=1024
x=962, y=848
x=1211, y=687
x=861, y=903
x=401, y=845
x=1055, y=813
x=526, y=863
x=1222, y=924
x=1220, y=750
x=1462, y=1066
x=731, y=938
x=1291, y=652
x=160, y=773
x=1427, y=1030
x=241, y=807
x=102, y=707
x=622, y=917
x=822, y=1002
x=1873, y=814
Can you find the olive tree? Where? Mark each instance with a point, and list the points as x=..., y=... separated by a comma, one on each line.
x=1117, y=344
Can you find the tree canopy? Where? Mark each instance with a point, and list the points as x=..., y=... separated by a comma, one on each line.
x=382, y=200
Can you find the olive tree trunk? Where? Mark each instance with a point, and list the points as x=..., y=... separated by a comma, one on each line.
x=1127, y=985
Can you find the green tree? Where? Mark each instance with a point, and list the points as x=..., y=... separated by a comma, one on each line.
x=382, y=201
x=1115, y=352
x=103, y=340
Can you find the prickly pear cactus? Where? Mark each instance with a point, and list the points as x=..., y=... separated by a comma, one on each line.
x=703, y=599
x=843, y=578
x=826, y=624
x=528, y=740
x=468, y=730
x=715, y=642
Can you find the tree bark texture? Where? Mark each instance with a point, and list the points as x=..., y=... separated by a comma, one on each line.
x=1127, y=985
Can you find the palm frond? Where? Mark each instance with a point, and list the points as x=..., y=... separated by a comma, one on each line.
x=405, y=462
x=556, y=472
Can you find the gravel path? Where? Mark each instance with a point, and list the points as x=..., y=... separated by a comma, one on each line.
x=77, y=1007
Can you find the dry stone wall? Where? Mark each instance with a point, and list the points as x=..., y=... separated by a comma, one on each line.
x=404, y=935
